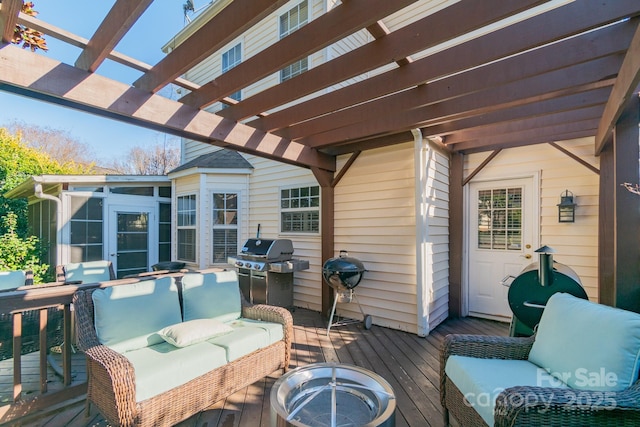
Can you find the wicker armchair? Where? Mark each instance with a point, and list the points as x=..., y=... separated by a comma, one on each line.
x=85, y=272
x=532, y=406
x=11, y=280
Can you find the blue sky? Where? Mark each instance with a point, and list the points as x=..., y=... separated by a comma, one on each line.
x=109, y=139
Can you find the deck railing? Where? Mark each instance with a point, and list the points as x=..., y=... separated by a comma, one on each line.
x=17, y=303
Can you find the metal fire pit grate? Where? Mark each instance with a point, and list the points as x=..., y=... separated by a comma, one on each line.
x=329, y=394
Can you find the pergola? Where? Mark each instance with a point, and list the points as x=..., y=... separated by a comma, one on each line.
x=463, y=81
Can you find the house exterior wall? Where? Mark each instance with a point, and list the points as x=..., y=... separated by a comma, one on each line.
x=576, y=244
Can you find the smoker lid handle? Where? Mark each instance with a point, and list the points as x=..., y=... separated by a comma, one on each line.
x=533, y=305
x=507, y=280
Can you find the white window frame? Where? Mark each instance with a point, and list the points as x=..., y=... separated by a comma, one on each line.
x=236, y=52
x=215, y=226
x=191, y=226
x=300, y=209
x=302, y=65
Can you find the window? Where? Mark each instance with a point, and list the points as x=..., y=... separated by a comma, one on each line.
x=230, y=59
x=164, y=232
x=186, y=225
x=86, y=238
x=225, y=226
x=300, y=210
x=500, y=219
x=290, y=21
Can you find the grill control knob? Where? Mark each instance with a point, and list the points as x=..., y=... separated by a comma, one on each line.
x=239, y=263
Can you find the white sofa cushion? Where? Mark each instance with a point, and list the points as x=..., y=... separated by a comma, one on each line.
x=248, y=336
x=184, y=334
x=129, y=316
x=482, y=380
x=211, y=296
x=161, y=367
x=589, y=346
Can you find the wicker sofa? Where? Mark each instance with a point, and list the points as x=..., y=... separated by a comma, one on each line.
x=160, y=350
x=580, y=369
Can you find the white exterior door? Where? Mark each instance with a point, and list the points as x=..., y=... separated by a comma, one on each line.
x=501, y=222
x=133, y=240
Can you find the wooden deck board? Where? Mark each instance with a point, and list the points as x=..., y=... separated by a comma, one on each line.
x=408, y=362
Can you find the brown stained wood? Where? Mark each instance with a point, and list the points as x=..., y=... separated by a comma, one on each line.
x=399, y=44
x=344, y=19
x=64, y=84
x=575, y=157
x=567, y=20
x=409, y=363
x=606, y=41
x=9, y=11
x=123, y=14
x=625, y=87
x=544, y=86
x=232, y=21
x=482, y=165
x=43, y=354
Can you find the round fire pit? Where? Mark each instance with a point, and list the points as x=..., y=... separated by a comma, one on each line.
x=331, y=394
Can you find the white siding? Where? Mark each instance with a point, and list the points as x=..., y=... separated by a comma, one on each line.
x=265, y=184
x=576, y=244
x=375, y=222
x=436, y=214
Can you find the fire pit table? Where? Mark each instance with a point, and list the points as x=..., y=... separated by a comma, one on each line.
x=331, y=395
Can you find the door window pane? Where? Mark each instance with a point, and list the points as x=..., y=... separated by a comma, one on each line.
x=500, y=219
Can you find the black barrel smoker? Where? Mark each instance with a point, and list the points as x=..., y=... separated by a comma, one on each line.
x=532, y=288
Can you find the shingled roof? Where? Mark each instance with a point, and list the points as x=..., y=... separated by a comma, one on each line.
x=219, y=159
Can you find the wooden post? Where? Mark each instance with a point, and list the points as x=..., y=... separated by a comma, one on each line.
x=325, y=179
x=456, y=227
x=619, y=232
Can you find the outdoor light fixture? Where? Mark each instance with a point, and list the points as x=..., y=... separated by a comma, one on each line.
x=566, y=208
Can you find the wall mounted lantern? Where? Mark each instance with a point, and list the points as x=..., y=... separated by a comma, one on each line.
x=566, y=208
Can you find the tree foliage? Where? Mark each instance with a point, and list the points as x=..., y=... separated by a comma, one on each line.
x=59, y=144
x=29, y=38
x=17, y=163
x=157, y=159
x=20, y=253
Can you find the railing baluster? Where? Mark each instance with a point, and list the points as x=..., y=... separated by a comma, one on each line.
x=17, y=362
x=66, y=345
x=43, y=349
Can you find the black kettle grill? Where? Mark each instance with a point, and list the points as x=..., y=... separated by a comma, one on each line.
x=343, y=273
x=532, y=288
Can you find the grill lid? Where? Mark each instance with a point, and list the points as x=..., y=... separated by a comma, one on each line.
x=343, y=271
x=267, y=249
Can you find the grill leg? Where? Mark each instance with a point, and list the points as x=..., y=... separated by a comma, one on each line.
x=333, y=311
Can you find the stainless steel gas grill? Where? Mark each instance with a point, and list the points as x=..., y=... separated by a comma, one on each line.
x=265, y=271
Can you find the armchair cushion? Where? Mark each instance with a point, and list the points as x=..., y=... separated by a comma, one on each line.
x=211, y=296
x=12, y=279
x=589, y=346
x=88, y=272
x=129, y=317
x=482, y=380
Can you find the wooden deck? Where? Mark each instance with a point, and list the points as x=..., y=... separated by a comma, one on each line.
x=408, y=362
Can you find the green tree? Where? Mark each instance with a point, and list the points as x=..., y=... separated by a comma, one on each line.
x=18, y=253
x=17, y=163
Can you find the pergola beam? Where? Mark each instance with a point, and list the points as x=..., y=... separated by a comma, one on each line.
x=626, y=83
x=9, y=11
x=544, y=86
x=48, y=79
x=233, y=20
x=469, y=15
x=115, y=25
x=607, y=41
x=343, y=20
x=559, y=23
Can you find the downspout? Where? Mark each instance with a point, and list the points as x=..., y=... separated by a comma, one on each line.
x=37, y=191
x=423, y=291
